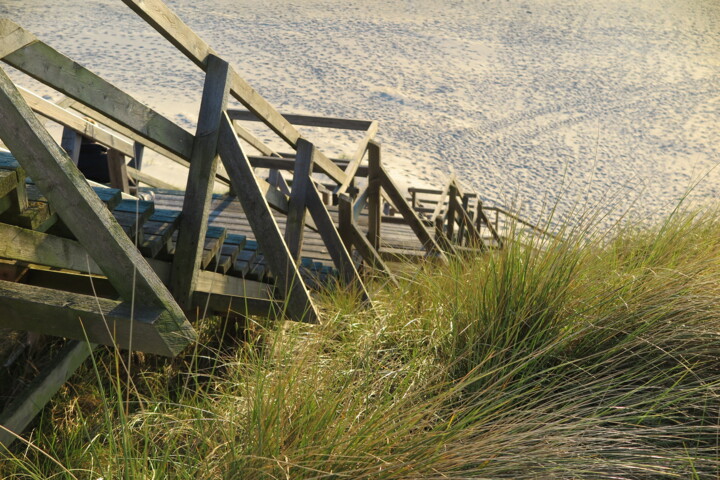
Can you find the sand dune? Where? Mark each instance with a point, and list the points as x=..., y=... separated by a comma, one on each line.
x=544, y=101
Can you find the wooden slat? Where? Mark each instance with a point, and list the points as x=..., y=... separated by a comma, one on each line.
x=23, y=409
x=307, y=120
x=43, y=249
x=302, y=182
x=198, y=192
x=77, y=123
x=13, y=37
x=85, y=215
x=264, y=226
x=357, y=157
x=56, y=70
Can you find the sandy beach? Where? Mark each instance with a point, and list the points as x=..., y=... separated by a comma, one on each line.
x=548, y=102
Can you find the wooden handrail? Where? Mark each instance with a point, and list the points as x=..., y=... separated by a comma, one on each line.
x=306, y=120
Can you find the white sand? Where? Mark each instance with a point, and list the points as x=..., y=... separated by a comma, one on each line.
x=564, y=101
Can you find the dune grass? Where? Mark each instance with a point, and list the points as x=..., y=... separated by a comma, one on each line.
x=589, y=357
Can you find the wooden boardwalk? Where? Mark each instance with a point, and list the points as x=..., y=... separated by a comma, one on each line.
x=94, y=265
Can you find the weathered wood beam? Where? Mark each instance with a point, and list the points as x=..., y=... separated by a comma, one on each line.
x=71, y=142
x=85, y=215
x=99, y=320
x=76, y=123
x=357, y=157
x=201, y=179
x=307, y=120
x=302, y=182
x=18, y=414
x=264, y=226
x=72, y=79
x=288, y=163
x=13, y=37
x=374, y=190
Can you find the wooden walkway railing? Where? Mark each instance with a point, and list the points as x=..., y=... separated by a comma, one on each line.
x=155, y=264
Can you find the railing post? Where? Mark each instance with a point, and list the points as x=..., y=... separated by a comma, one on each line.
x=374, y=199
x=452, y=207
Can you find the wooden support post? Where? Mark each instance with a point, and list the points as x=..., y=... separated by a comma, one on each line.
x=201, y=178
x=374, y=198
x=298, y=198
x=21, y=411
x=334, y=243
x=87, y=217
x=117, y=171
x=352, y=236
x=452, y=207
x=71, y=141
x=263, y=224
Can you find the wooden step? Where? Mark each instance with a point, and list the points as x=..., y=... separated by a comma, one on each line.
x=157, y=231
x=229, y=251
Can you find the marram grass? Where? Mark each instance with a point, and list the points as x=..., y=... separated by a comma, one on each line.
x=579, y=358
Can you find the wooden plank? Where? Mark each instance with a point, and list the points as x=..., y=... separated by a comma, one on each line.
x=72, y=79
x=306, y=120
x=357, y=157
x=76, y=123
x=302, y=182
x=24, y=408
x=8, y=182
x=13, y=37
x=264, y=226
x=143, y=177
x=117, y=127
x=201, y=179
x=86, y=216
x=117, y=170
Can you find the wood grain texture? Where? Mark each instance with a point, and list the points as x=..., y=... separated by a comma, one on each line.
x=85, y=214
x=298, y=197
x=77, y=123
x=307, y=120
x=264, y=226
x=72, y=79
x=201, y=179
x=13, y=37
